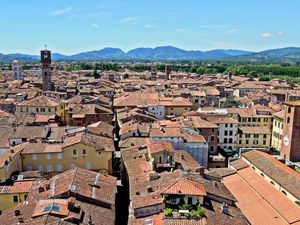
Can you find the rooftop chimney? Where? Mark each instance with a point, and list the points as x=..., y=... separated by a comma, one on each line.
x=90, y=222
x=17, y=212
x=225, y=209
x=41, y=189
x=47, y=186
x=201, y=170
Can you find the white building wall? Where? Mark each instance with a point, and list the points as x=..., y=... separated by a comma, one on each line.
x=158, y=111
x=222, y=136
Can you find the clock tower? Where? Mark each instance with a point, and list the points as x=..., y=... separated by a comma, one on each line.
x=46, y=69
x=290, y=148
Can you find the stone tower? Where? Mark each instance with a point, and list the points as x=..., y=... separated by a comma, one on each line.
x=290, y=148
x=46, y=69
x=17, y=70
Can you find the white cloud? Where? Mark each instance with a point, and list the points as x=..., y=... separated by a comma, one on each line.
x=129, y=19
x=214, y=27
x=149, y=26
x=279, y=33
x=221, y=27
x=180, y=30
x=100, y=6
x=232, y=31
x=94, y=25
x=269, y=34
x=60, y=12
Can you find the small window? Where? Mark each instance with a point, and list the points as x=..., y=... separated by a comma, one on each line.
x=34, y=157
x=15, y=198
x=288, y=120
x=88, y=165
x=40, y=168
x=253, y=167
x=59, y=167
x=49, y=168
x=72, y=165
x=289, y=109
x=284, y=193
x=29, y=168
x=262, y=174
x=59, y=156
x=74, y=152
x=48, y=156
x=272, y=183
x=84, y=152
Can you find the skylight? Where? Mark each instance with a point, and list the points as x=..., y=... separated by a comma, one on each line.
x=52, y=208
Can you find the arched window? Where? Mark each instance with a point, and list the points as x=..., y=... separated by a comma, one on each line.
x=230, y=140
x=289, y=109
x=225, y=140
x=288, y=120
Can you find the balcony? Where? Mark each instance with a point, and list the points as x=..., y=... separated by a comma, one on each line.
x=165, y=165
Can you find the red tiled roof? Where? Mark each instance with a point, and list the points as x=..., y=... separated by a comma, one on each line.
x=186, y=187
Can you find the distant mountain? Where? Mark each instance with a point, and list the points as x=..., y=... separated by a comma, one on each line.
x=103, y=54
x=58, y=56
x=170, y=52
x=166, y=53
x=23, y=56
x=280, y=54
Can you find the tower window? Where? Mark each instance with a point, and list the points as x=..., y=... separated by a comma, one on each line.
x=289, y=109
x=288, y=120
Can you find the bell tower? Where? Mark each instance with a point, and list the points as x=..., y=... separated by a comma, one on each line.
x=46, y=69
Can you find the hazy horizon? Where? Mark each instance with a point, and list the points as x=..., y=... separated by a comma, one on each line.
x=71, y=27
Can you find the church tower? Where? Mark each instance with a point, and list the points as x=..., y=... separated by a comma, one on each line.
x=46, y=69
x=17, y=70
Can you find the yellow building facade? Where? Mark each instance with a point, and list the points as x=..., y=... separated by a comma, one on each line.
x=42, y=105
x=177, y=110
x=254, y=137
x=277, y=133
x=67, y=157
x=10, y=162
x=12, y=195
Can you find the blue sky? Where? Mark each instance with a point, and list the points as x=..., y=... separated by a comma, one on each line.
x=72, y=26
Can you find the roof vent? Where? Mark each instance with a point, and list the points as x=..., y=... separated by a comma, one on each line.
x=47, y=186
x=225, y=209
x=149, y=189
x=41, y=189
x=17, y=212
x=215, y=184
